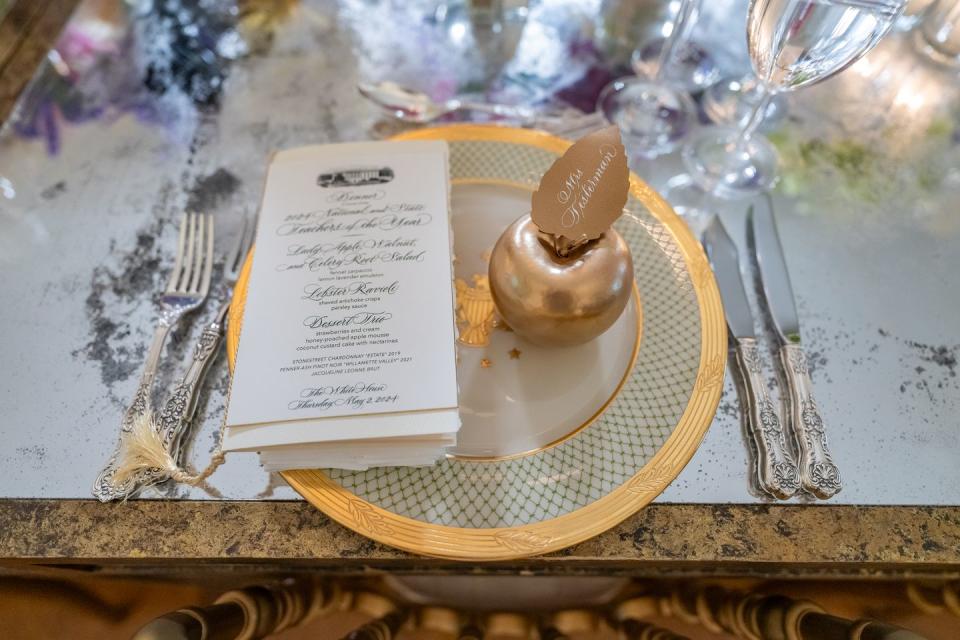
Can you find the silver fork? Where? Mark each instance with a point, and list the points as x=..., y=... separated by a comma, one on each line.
x=178, y=411
x=185, y=292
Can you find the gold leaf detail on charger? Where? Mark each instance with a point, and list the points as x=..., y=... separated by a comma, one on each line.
x=650, y=479
x=711, y=376
x=367, y=517
x=521, y=540
x=701, y=272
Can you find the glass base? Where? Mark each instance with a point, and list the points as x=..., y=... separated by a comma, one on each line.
x=942, y=57
x=692, y=68
x=653, y=118
x=731, y=102
x=690, y=202
x=727, y=168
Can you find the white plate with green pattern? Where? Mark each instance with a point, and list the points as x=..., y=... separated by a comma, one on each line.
x=557, y=445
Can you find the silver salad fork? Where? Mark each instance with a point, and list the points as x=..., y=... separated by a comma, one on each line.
x=185, y=292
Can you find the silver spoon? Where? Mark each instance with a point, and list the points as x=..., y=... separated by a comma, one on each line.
x=413, y=106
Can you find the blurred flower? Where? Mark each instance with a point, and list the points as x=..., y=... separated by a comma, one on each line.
x=258, y=20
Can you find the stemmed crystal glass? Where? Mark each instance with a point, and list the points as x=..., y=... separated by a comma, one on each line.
x=653, y=114
x=792, y=44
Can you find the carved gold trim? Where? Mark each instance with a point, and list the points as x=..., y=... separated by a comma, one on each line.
x=711, y=375
x=556, y=533
x=650, y=478
x=522, y=541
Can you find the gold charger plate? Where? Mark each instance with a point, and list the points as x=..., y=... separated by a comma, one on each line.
x=647, y=416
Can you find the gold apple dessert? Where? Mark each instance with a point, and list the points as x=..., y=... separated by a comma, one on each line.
x=561, y=275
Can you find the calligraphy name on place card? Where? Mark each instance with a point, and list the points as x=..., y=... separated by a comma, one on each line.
x=584, y=192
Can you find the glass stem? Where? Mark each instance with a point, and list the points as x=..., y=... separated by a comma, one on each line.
x=678, y=35
x=756, y=116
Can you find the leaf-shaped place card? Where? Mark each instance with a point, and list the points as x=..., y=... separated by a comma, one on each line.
x=584, y=191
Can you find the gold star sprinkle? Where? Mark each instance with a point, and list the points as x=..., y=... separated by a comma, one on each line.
x=515, y=354
x=485, y=363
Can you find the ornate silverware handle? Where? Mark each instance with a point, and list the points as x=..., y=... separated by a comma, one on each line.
x=177, y=413
x=818, y=473
x=777, y=473
x=520, y=112
x=553, y=120
x=103, y=488
x=174, y=419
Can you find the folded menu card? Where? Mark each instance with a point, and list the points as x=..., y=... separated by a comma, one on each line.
x=347, y=356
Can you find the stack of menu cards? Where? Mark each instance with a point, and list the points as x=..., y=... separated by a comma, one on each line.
x=346, y=356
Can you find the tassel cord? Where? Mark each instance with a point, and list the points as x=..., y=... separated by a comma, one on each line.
x=142, y=451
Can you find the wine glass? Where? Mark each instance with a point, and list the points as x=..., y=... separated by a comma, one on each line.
x=792, y=44
x=653, y=114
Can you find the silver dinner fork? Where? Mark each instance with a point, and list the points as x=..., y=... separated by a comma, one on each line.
x=185, y=292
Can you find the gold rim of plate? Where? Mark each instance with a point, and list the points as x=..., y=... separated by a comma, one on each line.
x=505, y=543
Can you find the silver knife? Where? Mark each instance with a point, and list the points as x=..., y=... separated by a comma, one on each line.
x=777, y=472
x=818, y=473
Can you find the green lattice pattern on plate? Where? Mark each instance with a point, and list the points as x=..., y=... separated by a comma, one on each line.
x=606, y=454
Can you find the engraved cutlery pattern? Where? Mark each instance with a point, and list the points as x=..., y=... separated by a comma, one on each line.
x=178, y=412
x=777, y=473
x=185, y=292
x=776, y=470
x=819, y=475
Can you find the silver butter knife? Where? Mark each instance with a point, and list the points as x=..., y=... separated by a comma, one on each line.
x=777, y=472
x=818, y=473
